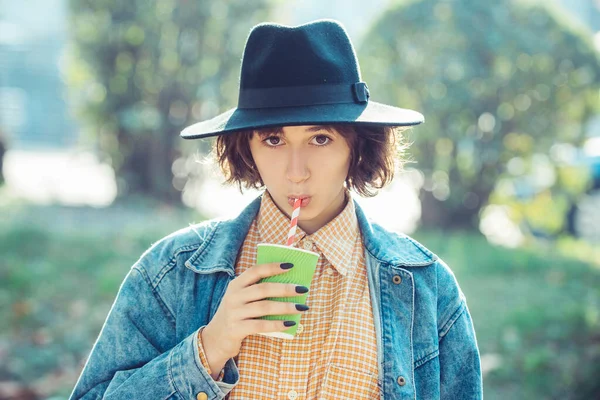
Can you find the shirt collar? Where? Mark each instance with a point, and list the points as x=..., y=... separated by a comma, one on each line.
x=335, y=240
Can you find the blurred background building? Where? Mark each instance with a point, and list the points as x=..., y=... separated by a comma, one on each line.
x=584, y=10
x=33, y=103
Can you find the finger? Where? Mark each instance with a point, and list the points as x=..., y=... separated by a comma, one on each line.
x=253, y=326
x=263, y=290
x=257, y=272
x=270, y=307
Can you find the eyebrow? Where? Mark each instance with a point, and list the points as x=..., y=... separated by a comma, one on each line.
x=279, y=131
x=320, y=128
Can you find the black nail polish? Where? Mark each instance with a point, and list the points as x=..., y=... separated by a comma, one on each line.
x=301, y=307
x=286, y=265
x=301, y=289
x=289, y=323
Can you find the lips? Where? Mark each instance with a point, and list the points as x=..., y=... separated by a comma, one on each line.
x=305, y=200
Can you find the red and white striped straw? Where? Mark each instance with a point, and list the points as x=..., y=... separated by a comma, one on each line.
x=294, y=222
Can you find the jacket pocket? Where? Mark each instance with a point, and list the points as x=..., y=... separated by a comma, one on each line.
x=423, y=360
x=347, y=383
x=427, y=376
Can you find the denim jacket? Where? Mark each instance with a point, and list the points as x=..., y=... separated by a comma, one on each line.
x=147, y=348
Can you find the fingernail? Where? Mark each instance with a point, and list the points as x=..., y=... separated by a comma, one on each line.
x=301, y=307
x=289, y=323
x=286, y=265
x=301, y=289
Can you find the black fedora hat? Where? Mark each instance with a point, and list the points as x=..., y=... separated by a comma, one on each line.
x=303, y=75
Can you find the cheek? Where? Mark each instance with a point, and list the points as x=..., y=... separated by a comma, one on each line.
x=261, y=159
x=339, y=164
x=270, y=169
x=331, y=173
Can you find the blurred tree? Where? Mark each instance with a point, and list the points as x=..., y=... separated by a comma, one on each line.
x=496, y=81
x=143, y=69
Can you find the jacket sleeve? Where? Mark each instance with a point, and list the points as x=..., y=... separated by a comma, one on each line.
x=460, y=369
x=130, y=359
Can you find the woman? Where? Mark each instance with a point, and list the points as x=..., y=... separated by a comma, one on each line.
x=385, y=316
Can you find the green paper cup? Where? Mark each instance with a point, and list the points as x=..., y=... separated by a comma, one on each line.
x=305, y=263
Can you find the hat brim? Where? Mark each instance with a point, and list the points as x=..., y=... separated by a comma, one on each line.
x=371, y=113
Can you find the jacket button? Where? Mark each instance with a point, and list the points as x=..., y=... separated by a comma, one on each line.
x=397, y=279
x=201, y=396
x=401, y=381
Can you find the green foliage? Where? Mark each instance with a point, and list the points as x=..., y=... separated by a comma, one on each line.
x=57, y=283
x=142, y=70
x=496, y=81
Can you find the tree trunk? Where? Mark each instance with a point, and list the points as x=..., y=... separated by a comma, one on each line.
x=438, y=214
x=147, y=169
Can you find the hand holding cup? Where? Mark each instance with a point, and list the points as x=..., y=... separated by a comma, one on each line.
x=244, y=302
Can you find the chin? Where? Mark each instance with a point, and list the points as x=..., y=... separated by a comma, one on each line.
x=308, y=212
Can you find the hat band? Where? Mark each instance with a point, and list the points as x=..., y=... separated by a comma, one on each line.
x=294, y=96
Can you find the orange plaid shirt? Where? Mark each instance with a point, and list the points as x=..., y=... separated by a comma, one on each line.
x=334, y=354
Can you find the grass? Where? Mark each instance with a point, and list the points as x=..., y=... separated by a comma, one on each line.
x=536, y=311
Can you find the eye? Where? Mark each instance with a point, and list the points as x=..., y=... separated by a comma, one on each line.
x=322, y=140
x=272, y=141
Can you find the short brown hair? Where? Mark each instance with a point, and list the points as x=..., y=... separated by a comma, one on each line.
x=375, y=153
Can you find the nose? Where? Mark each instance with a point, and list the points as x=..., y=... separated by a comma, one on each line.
x=297, y=168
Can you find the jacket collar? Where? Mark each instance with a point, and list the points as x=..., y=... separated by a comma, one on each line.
x=388, y=247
